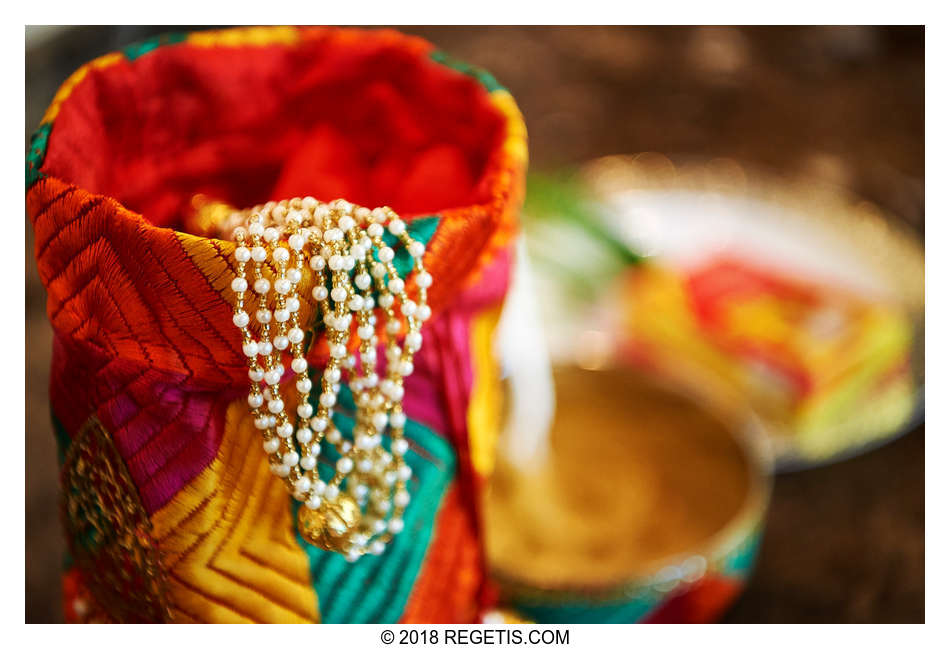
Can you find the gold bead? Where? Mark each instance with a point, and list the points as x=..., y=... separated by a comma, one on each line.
x=331, y=526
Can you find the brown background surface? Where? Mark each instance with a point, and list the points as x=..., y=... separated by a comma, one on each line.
x=843, y=543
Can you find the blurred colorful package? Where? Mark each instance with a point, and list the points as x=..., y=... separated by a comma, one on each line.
x=821, y=362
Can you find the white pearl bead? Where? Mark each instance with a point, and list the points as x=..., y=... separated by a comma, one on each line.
x=334, y=436
x=256, y=229
x=282, y=286
x=271, y=445
x=317, y=262
x=281, y=469
x=338, y=294
x=397, y=227
x=319, y=293
x=331, y=492
x=338, y=350
x=285, y=430
x=292, y=304
x=423, y=279
x=307, y=463
x=305, y=410
x=262, y=286
x=275, y=405
x=299, y=365
x=400, y=446
x=383, y=506
x=393, y=327
x=386, y=300
x=408, y=308
x=294, y=275
x=239, y=285
x=304, y=385
x=314, y=502
x=319, y=487
x=405, y=368
x=271, y=234
x=396, y=285
x=348, y=262
x=242, y=254
x=397, y=392
x=377, y=547
x=362, y=281
x=240, y=319
x=273, y=376
x=396, y=525
x=355, y=303
x=255, y=399
x=352, y=555
x=417, y=249
x=295, y=335
x=358, y=251
x=303, y=483
x=386, y=254
x=290, y=458
x=404, y=472
x=250, y=349
x=264, y=348
x=401, y=499
x=332, y=374
x=258, y=254
x=398, y=419
x=414, y=340
x=335, y=262
x=380, y=419
x=374, y=230
x=319, y=424
x=256, y=375
x=365, y=332
x=423, y=312
x=346, y=223
x=281, y=315
x=296, y=241
x=333, y=234
x=365, y=465
x=281, y=342
x=263, y=316
x=304, y=436
x=344, y=465
x=327, y=399
x=281, y=255
x=378, y=270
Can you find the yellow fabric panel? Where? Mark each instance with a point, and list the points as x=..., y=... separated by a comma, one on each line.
x=242, y=36
x=516, y=144
x=484, y=409
x=227, y=539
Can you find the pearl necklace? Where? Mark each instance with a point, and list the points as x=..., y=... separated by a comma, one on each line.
x=345, y=242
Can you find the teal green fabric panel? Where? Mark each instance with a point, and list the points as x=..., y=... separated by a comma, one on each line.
x=483, y=77
x=376, y=589
x=740, y=561
x=620, y=612
x=136, y=50
x=37, y=153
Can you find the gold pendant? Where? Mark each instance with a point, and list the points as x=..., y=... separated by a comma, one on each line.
x=331, y=526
